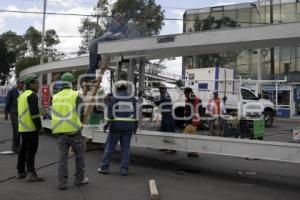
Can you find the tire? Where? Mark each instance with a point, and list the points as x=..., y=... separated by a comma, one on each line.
x=268, y=115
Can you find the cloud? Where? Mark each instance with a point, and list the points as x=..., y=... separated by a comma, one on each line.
x=67, y=26
x=2, y=25
x=179, y=23
x=20, y=15
x=174, y=66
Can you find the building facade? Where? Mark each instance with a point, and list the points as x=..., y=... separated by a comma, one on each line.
x=276, y=62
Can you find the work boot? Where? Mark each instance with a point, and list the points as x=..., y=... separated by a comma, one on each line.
x=83, y=182
x=62, y=185
x=193, y=155
x=103, y=171
x=21, y=175
x=124, y=172
x=33, y=177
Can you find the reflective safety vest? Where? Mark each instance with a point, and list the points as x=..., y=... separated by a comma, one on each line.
x=214, y=106
x=64, y=115
x=25, y=119
x=196, y=116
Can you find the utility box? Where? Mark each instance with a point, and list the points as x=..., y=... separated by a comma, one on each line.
x=252, y=128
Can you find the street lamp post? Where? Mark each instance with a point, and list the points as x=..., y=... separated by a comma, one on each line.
x=43, y=32
x=258, y=70
x=272, y=48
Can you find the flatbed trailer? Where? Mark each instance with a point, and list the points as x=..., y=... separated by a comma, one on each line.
x=192, y=44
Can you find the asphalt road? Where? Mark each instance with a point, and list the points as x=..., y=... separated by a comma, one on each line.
x=178, y=177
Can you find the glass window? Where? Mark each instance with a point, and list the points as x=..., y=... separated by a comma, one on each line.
x=232, y=14
x=243, y=16
x=297, y=59
x=298, y=11
x=283, y=97
x=288, y=12
x=242, y=63
x=247, y=95
x=286, y=54
x=276, y=59
x=277, y=13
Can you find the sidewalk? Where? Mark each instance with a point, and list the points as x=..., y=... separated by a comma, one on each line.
x=293, y=119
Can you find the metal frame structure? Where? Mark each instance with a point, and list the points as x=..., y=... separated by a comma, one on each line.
x=193, y=44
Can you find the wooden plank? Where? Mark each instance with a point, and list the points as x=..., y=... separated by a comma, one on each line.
x=154, y=195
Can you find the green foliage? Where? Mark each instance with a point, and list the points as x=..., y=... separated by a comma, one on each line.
x=25, y=63
x=146, y=15
x=91, y=28
x=88, y=30
x=24, y=51
x=15, y=44
x=33, y=39
x=4, y=62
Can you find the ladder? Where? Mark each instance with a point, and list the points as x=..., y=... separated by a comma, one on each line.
x=96, y=86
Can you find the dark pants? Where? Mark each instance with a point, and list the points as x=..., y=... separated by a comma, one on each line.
x=167, y=123
x=64, y=143
x=111, y=143
x=29, y=146
x=16, y=136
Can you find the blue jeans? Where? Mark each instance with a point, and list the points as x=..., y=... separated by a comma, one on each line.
x=94, y=58
x=111, y=143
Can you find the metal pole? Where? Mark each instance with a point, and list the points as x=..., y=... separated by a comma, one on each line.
x=259, y=72
x=43, y=32
x=141, y=89
x=272, y=48
x=119, y=71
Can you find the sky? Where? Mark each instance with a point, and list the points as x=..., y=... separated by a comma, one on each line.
x=68, y=25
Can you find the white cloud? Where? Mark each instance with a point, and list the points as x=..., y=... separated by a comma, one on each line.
x=67, y=26
x=20, y=15
x=2, y=25
x=179, y=23
x=174, y=66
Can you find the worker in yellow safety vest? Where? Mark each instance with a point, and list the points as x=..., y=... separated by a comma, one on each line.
x=67, y=112
x=29, y=127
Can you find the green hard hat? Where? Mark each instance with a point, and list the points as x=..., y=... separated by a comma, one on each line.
x=30, y=77
x=67, y=77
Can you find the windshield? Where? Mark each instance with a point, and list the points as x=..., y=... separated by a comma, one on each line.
x=247, y=95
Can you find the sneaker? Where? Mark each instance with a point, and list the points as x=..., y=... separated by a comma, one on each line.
x=102, y=171
x=33, y=177
x=83, y=182
x=21, y=175
x=124, y=172
x=62, y=186
x=193, y=155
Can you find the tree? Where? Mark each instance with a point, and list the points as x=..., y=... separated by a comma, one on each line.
x=15, y=44
x=216, y=59
x=25, y=50
x=25, y=63
x=4, y=62
x=90, y=29
x=143, y=15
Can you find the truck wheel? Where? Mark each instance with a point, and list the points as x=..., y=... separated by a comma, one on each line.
x=268, y=118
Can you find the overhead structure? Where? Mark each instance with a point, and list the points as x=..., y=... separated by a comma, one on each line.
x=194, y=44
x=203, y=42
